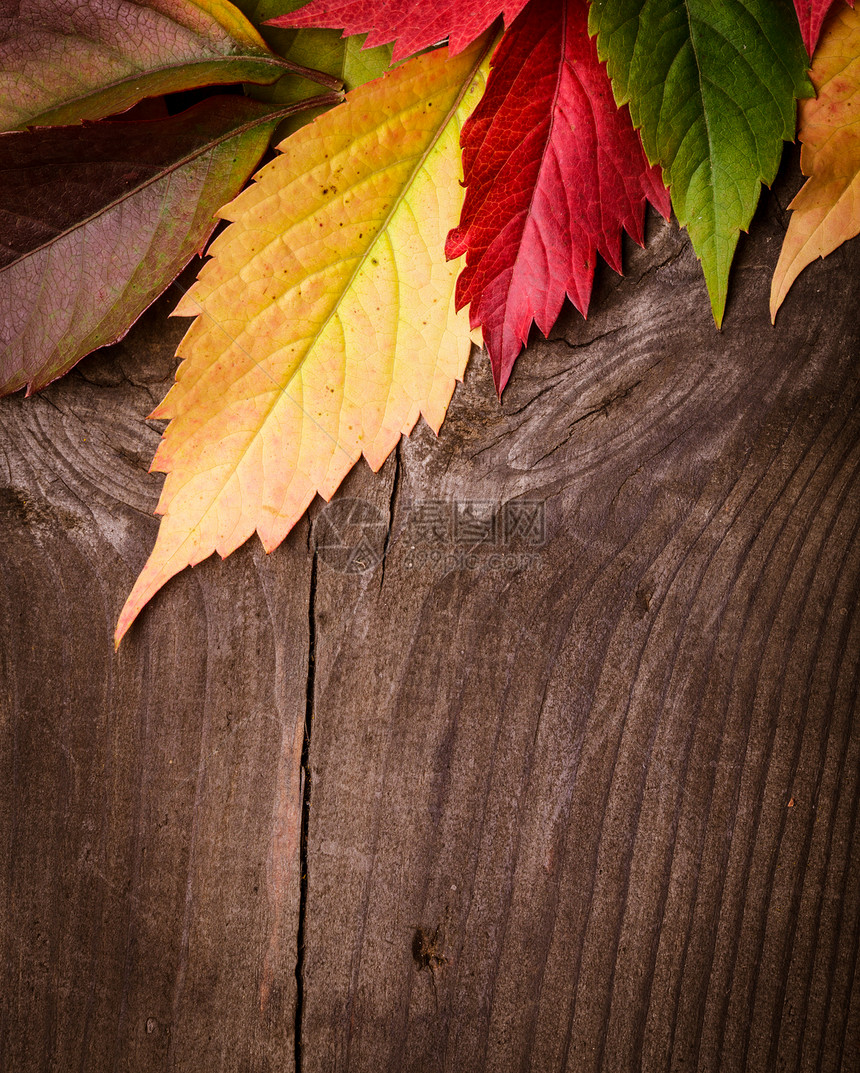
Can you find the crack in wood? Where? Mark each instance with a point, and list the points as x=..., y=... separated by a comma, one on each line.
x=305, y=793
x=392, y=507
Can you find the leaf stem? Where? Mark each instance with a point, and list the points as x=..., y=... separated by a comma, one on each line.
x=322, y=100
x=320, y=77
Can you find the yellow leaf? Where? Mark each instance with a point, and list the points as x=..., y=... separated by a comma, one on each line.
x=325, y=319
x=827, y=209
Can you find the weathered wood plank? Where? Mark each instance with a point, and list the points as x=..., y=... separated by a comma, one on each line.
x=612, y=779
x=149, y=888
x=620, y=780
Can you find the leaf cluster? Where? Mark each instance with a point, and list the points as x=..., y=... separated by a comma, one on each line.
x=412, y=202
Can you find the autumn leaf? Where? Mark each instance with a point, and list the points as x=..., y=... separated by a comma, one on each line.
x=99, y=219
x=810, y=15
x=827, y=209
x=711, y=87
x=344, y=58
x=554, y=171
x=326, y=322
x=62, y=61
x=413, y=24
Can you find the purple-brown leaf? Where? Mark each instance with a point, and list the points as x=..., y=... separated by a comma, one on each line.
x=63, y=61
x=96, y=220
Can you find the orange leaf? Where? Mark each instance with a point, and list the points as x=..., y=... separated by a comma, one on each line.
x=326, y=322
x=827, y=209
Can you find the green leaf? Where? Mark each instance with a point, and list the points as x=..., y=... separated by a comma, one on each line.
x=324, y=50
x=711, y=84
x=62, y=62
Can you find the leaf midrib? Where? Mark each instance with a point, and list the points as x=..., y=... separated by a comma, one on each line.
x=395, y=205
x=553, y=115
x=742, y=113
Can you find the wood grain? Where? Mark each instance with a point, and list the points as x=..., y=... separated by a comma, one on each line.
x=588, y=804
x=149, y=892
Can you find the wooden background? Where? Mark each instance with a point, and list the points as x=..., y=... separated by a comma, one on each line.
x=593, y=807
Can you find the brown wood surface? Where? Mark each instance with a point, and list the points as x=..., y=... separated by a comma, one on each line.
x=583, y=805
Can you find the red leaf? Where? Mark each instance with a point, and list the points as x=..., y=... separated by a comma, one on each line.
x=554, y=170
x=810, y=15
x=415, y=24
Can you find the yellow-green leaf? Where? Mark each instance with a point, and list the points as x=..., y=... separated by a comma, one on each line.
x=325, y=322
x=827, y=209
x=325, y=50
x=344, y=58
